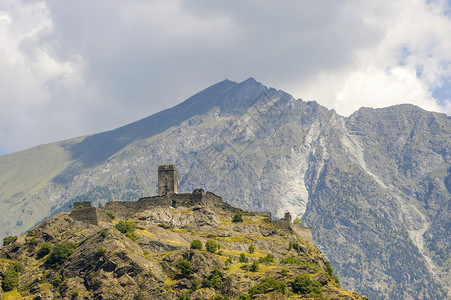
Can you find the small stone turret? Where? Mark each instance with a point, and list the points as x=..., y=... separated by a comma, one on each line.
x=167, y=180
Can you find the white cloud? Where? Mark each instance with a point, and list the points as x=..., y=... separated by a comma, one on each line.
x=76, y=67
x=411, y=59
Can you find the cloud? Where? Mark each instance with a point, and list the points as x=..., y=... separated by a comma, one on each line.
x=77, y=67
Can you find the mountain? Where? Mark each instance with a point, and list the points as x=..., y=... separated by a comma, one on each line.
x=203, y=249
x=375, y=186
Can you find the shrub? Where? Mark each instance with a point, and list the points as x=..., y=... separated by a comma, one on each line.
x=243, y=258
x=302, y=284
x=125, y=226
x=238, y=217
x=290, y=260
x=9, y=240
x=103, y=233
x=33, y=242
x=111, y=214
x=297, y=221
x=244, y=296
x=128, y=228
x=214, y=280
x=185, y=267
x=293, y=245
x=329, y=269
x=44, y=250
x=268, y=284
x=196, y=244
x=268, y=258
x=138, y=296
x=254, y=266
x=31, y=233
x=284, y=272
x=10, y=280
x=229, y=261
x=162, y=225
x=211, y=246
x=59, y=254
x=251, y=248
x=101, y=252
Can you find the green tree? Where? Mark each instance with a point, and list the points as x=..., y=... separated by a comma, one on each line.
x=44, y=250
x=185, y=267
x=196, y=244
x=10, y=280
x=238, y=217
x=243, y=258
x=268, y=284
x=211, y=246
x=9, y=240
x=254, y=266
x=59, y=254
x=251, y=248
x=302, y=284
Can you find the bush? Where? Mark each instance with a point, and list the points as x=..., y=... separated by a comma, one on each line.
x=211, y=246
x=59, y=254
x=125, y=226
x=196, y=244
x=101, y=252
x=111, y=214
x=185, y=267
x=10, y=280
x=268, y=284
x=103, y=233
x=238, y=217
x=214, y=280
x=254, y=266
x=302, y=284
x=268, y=258
x=31, y=233
x=44, y=250
x=284, y=272
x=251, y=248
x=243, y=258
x=162, y=225
x=297, y=221
x=9, y=240
x=290, y=260
x=329, y=269
x=244, y=296
x=33, y=242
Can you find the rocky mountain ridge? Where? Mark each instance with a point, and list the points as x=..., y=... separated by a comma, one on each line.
x=375, y=186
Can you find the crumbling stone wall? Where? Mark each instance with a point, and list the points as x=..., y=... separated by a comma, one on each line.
x=90, y=215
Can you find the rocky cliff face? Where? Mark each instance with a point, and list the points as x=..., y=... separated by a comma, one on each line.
x=198, y=252
x=375, y=186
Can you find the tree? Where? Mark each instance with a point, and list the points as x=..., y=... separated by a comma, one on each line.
x=238, y=217
x=211, y=246
x=59, y=254
x=10, y=280
x=243, y=258
x=196, y=244
x=185, y=267
x=44, y=250
x=302, y=284
x=251, y=248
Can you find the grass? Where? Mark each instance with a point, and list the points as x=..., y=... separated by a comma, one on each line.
x=146, y=233
x=12, y=295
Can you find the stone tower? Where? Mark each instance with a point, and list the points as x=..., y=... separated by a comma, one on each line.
x=167, y=180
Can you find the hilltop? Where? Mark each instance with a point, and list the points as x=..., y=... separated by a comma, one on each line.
x=171, y=246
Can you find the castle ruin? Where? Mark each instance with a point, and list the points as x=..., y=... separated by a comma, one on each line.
x=168, y=196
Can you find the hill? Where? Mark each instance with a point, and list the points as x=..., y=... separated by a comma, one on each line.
x=205, y=249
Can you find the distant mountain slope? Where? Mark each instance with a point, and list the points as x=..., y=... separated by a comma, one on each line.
x=374, y=186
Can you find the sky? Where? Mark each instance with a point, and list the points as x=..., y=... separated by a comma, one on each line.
x=77, y=67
